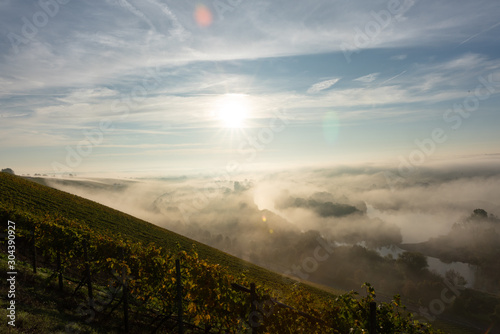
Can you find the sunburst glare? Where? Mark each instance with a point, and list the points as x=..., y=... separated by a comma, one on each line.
x=232, y=110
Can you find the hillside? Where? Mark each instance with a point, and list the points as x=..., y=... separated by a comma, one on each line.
x=41, y=200
x=68, y=227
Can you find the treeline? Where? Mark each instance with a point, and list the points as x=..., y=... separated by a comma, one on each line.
x=474, y=240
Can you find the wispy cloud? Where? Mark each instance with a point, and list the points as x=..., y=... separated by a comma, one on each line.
x=318, y=87
x=399, y=57
x=479, y=33
x=152, y=59
x=368, y=78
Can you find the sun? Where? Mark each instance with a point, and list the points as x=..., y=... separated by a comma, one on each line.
x=232, y=110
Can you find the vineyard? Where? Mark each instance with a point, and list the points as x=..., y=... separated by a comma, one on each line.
x=148, y=287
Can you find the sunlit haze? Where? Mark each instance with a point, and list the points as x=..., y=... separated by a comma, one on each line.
x=334, y=142
x=154, y=88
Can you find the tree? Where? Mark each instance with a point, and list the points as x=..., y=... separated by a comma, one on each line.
x=479, y=213
x=477, y=217
x=455, y=277
x=8, y=170
x=414, y=261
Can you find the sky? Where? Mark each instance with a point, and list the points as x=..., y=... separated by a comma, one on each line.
x=177, y=87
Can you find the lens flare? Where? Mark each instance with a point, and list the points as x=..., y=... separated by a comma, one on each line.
x=490, y=328
x=331, y=127
x=203, y=16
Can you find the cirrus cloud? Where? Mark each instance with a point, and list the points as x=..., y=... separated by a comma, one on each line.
x=318, y=87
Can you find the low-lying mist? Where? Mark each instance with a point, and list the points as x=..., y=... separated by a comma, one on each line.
x=346, y=204
x=278, y=219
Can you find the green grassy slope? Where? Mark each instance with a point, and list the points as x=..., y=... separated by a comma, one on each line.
x=39, y=200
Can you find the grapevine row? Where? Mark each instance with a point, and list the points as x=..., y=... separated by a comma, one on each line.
x=144, y=276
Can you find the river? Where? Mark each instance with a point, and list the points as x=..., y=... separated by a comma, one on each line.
x=468, y=271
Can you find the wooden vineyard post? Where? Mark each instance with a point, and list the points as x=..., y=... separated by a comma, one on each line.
x=253, y=305
x=59, y=270
x=179, y=296
x=125, y=294
x=87, y=273
x=34, y=249
x=253, y=308
x=373, y=318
